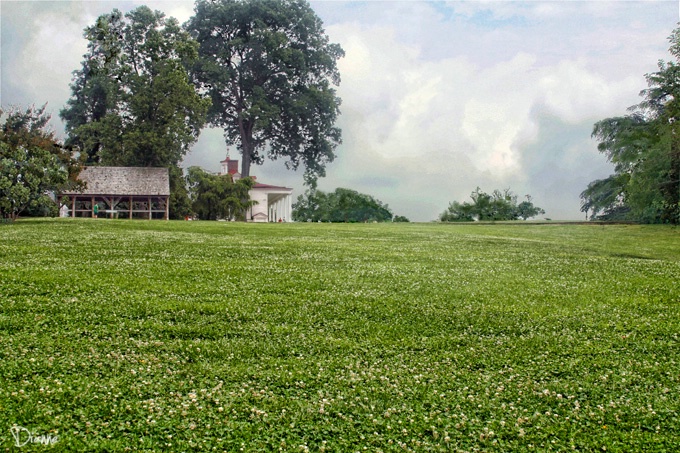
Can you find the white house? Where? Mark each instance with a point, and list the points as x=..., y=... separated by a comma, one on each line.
x=274, y=203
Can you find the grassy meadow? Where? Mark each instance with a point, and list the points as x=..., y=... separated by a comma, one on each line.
x=210, y=336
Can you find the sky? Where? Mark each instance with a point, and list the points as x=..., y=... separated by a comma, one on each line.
x=438, y=97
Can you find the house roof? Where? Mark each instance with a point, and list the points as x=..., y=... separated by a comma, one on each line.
x=268, y=186
x=124, y=181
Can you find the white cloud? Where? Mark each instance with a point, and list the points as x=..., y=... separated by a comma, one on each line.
x=574, y=92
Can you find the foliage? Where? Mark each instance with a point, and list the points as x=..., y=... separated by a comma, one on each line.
x=606, y=195
x=216, y=197
x=179, y=202
x=342, y=205
x=132, y=102
x=32, y=163
x=495, y=206
x=645, y=150
x=189, y=336
x=269, y=69
x=400, y=219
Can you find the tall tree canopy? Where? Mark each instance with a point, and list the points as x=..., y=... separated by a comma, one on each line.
x=342, y=205
x=132, y=102
x=498, y=205
x=269, y=69
x=32, y=162
x=644, y=147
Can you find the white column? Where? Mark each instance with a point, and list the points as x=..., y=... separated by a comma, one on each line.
x=286, y=216
x=289, y=203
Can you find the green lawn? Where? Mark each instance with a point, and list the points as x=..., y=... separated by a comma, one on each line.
x=196, y=336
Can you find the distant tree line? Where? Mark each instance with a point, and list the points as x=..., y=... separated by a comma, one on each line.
x=644, y=147
x=341, y=205
x=498, y=205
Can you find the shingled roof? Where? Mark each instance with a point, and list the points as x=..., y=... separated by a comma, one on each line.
x=125, y=181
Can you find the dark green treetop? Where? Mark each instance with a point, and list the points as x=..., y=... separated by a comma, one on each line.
x=132, y=102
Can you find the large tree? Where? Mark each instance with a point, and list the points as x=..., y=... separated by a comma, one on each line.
x=269, y=69
x=33, y=163
x=644, y=147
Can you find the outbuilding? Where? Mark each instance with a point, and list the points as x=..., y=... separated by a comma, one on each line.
x=125, y=192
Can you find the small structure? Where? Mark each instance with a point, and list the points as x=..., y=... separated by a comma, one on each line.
x=274, y=203
x=128, y=192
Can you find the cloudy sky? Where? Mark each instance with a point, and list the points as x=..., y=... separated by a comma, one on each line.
x=437, y=97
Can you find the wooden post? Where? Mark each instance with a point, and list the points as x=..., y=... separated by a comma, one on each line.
x=167, y=208
x=130, y=207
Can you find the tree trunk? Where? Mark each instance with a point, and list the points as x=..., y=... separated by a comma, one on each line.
x=246, y=131
x=245, y=162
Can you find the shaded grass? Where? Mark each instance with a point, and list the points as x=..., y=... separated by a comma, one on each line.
x=192, y=336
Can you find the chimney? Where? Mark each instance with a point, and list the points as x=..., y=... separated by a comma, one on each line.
x=229, y=166
x=232, y=166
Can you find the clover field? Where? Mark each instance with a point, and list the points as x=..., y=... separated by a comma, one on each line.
x=211, y=336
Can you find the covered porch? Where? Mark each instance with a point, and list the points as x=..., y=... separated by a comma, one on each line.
x=274, y=204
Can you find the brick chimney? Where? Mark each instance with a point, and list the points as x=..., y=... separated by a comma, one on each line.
x=229, y=166
x=232, y=166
